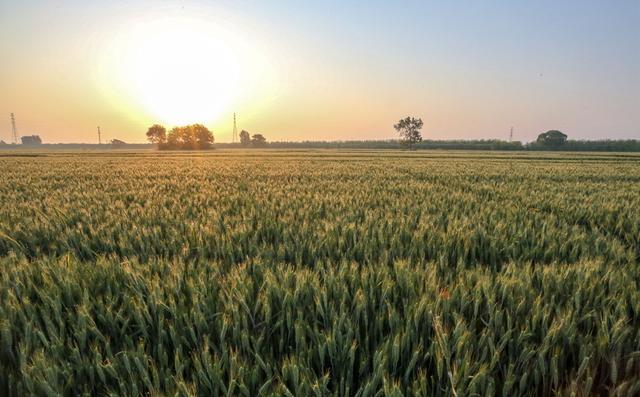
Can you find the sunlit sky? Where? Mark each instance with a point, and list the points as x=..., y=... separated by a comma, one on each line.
x=325, y=70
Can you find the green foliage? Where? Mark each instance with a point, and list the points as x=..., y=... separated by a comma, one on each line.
x=157, y=134
x=552, y=138
x=320, y=273
x=258, y=140
x=629, y=145
x=189, y=137
x=245, y=138
x=492, y=144
x=409, y=130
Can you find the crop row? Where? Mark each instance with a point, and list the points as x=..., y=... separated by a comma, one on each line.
x=127, y=328
x=301, y=212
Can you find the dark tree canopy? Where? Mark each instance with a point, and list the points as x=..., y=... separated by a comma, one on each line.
x=409, y=130
x=157, y=134
x=245, y=138
x=258, y=140
x=552, y=138
x=189, y=137
x=31, y=140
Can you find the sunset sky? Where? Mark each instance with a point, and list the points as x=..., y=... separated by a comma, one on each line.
x=325, y=70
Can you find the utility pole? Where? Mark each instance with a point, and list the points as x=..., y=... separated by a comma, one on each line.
x=235, y=129
x=14, y=129
x=99, y=137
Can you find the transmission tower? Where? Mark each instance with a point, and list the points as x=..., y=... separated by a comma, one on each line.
x=99, y=137
x=14, y=129
x=511, y=135
x=235, y=129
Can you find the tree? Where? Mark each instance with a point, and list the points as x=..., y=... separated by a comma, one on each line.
x=552, y=138
x=157, y=134
x=179, y=138
x=174, y=139
x=203, y=137
x=189, y=137
x=258, y=140
x=31, y=140
x=245, y=139
x=409, y=130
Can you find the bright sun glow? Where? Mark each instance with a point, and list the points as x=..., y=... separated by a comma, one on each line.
x=181, y=70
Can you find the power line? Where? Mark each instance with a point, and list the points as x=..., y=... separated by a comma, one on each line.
x=14, y=129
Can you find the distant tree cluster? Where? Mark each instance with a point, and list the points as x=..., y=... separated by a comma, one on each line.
x=395, y=144
x=197, y=136
x=189, y=137
x=607, y=145
x=409, y=130
x=552, y=138
x=255, y=140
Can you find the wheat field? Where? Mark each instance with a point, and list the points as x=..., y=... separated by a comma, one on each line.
x=319, y=273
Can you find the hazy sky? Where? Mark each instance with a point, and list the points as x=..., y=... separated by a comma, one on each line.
x=320, y=70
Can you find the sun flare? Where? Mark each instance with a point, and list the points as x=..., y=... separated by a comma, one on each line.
x=181, y=70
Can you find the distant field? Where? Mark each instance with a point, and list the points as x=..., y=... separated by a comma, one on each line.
x=319, y=272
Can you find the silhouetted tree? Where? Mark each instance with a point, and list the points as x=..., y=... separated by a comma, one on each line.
x=204, y=137
x=552, y=138
x=258, y=140
x=409, y=130
x=179, y=138
x=173, y=139
x=245, y=139
x=31, y=140
x=157, y=134
x=190, y=137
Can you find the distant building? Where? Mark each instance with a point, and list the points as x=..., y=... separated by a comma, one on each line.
x=117, y=143
x=31, y=140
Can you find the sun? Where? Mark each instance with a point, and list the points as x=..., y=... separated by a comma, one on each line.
x=180, y=70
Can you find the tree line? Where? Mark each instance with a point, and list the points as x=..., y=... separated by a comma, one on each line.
x=198, y=137
x=189, y=137
x=255, y=140
x=410, y=135
x=195, y=137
